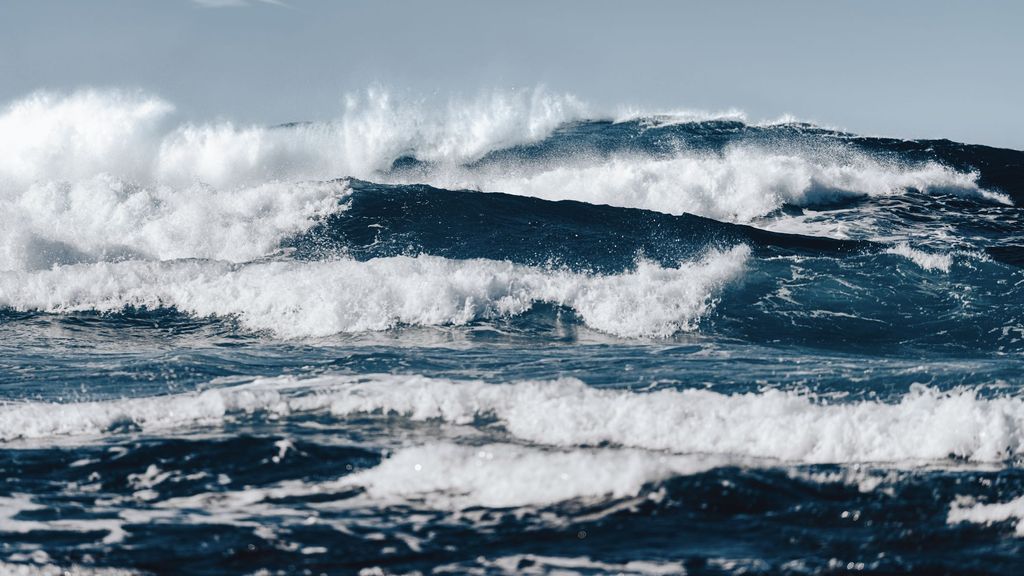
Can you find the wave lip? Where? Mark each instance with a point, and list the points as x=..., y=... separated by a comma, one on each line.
x=312, y=299
x=926, y=260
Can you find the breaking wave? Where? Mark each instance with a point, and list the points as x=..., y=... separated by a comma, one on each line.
x=105, y=175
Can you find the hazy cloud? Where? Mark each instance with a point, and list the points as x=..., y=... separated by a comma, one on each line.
x=236, y=3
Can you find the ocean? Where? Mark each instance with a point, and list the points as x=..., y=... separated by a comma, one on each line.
x=506, y=335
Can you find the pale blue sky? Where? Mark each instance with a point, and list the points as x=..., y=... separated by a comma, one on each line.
x=910, y=69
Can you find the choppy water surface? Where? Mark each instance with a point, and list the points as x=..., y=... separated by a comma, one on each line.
x=506, y=337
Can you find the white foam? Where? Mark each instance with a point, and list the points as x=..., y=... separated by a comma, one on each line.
x=68, y=137
x=966, y=509
x=926, y=260
x=309, y=299
x=739, y=185
x=374, y=131
x=48, y=136
x=923, y=426
x=454, y=477
x=12, y=506
x=46, y=419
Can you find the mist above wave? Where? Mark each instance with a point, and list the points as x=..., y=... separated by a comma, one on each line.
x=49, y=136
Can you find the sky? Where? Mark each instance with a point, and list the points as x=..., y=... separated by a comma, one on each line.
x=909, y=69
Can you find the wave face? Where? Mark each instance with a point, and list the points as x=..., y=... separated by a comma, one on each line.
x=503, y=334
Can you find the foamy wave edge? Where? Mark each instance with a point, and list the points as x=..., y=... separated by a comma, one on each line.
x=925, y=425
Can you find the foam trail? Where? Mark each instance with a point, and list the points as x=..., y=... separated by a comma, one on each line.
x=453, y=477
x=925, y=425
x=309, y=299
x=965, y=509
x=660, y=118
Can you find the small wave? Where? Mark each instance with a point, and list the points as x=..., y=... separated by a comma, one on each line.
x=310, y=299
x=924, y=425
x=926, y=260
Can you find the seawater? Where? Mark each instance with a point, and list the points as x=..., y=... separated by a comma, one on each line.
x=506, y=335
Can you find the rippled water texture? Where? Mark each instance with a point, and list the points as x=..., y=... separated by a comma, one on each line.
x=505, y=336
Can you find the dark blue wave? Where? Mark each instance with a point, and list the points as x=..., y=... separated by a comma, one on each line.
x=387, y=220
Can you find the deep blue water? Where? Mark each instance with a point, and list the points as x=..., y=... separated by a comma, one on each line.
x=644, y=346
